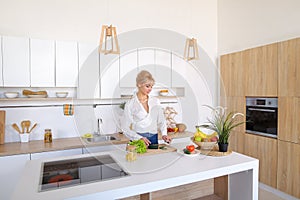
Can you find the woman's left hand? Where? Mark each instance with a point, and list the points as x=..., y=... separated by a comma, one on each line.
x=167, y=139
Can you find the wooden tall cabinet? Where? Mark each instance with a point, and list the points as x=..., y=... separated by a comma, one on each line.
x=264, y=149
x=232, y=81
x=236, y=104
x=260, y=70
x=288, y=172
x=289, y=68
x=288, y=119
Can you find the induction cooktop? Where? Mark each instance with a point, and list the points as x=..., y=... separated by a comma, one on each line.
x=71, y=172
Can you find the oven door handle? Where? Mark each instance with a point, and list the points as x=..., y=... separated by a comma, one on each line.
x=263, y=110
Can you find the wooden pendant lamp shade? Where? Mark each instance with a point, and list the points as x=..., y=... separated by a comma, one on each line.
x=191, y=49
x=108, y=40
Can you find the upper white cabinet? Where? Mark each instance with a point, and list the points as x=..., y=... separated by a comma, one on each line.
x=128, y=69
x=110, y=74
x=66, y=64
x=163, y=69
x=16, y=69
x=158, y=63
x=1, y=69
x=180, y=70
x=146, y=60
x=89, y=71
x=42, y=60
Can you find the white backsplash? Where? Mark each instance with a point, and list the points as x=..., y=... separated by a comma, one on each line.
x=83, y=121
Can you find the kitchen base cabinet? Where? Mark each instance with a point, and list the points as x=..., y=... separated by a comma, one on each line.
x=11, y=168
x=288, y=172
x=265, y=150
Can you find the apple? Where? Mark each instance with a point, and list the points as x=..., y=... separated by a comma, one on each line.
x=198, y=139
x=214, y=139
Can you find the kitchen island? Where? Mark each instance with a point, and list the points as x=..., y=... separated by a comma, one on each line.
x=235, y=172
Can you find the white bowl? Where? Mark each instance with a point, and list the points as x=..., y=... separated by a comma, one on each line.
x=11, y=95
x=163, y=93
x=62, y=94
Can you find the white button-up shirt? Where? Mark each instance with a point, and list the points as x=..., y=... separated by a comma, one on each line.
x=138, y=120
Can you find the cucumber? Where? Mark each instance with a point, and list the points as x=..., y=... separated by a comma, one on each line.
x=186, y=151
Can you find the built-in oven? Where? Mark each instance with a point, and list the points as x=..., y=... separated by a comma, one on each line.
x=262, y=116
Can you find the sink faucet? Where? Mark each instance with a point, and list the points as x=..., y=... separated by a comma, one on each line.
x=99, y=122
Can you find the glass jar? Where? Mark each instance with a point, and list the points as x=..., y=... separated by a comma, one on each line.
x=48, y=136
x=131, y=154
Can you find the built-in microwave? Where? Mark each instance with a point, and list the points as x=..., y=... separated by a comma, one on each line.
x=262, y=116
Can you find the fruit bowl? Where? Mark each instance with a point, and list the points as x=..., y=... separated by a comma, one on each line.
x=204, y=145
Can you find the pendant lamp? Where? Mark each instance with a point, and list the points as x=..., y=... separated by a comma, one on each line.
x=108, y=40
x=191, y=49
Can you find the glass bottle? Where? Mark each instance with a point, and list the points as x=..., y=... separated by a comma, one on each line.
x=48, y=136
x=131, y=153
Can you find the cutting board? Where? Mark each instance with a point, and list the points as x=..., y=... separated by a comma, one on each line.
x=2, y=126
x=166, y=149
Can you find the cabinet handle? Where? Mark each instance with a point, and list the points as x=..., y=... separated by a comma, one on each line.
x=263, y=110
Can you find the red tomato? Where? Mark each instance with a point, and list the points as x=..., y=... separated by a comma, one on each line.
x=190, y=148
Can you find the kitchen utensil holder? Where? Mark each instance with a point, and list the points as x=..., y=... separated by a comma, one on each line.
x=24, y=137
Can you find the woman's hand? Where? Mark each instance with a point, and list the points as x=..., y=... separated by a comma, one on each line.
x=167, y=139
x=147, y=142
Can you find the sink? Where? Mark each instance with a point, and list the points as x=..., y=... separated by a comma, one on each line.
x=78, y=171
x=101, y=138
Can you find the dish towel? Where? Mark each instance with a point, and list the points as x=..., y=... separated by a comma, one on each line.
x=68, y=109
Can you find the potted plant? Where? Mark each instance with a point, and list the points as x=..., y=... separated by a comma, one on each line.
x=222, y=123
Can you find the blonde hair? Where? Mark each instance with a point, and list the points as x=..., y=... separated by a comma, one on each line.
x=144, y=77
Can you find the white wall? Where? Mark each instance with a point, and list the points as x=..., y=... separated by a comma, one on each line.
x=81, y=20
x=244, y=24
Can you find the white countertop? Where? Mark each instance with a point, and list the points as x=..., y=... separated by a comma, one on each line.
x=147, y=174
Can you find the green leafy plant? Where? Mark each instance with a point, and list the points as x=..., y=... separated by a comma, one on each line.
x=140, y=146
x=222, y=123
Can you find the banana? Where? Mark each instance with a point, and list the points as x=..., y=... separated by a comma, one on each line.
x=203, y=135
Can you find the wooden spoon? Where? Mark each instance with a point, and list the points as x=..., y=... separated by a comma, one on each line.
x=23, y=126
x=27, y=125
x=15, y=126
x=32, y=127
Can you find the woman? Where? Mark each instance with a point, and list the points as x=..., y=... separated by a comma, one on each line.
x=144, y=115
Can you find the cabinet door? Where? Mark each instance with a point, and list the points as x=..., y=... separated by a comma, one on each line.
x=66, y=64
x=232, y=82
x=289, y=68
x=163, y=70
x=288, y=168
x=54, y=154
x=42, y=63
x=11, y=168
x=128, y=69
x=179, y=71
x=146, y=60
x=260, y=75
x=16, y=70
x=264, y=149
x=89, y=71
x=110, y=76
x=1, y=66
x=237, y=137
x=288, y=119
